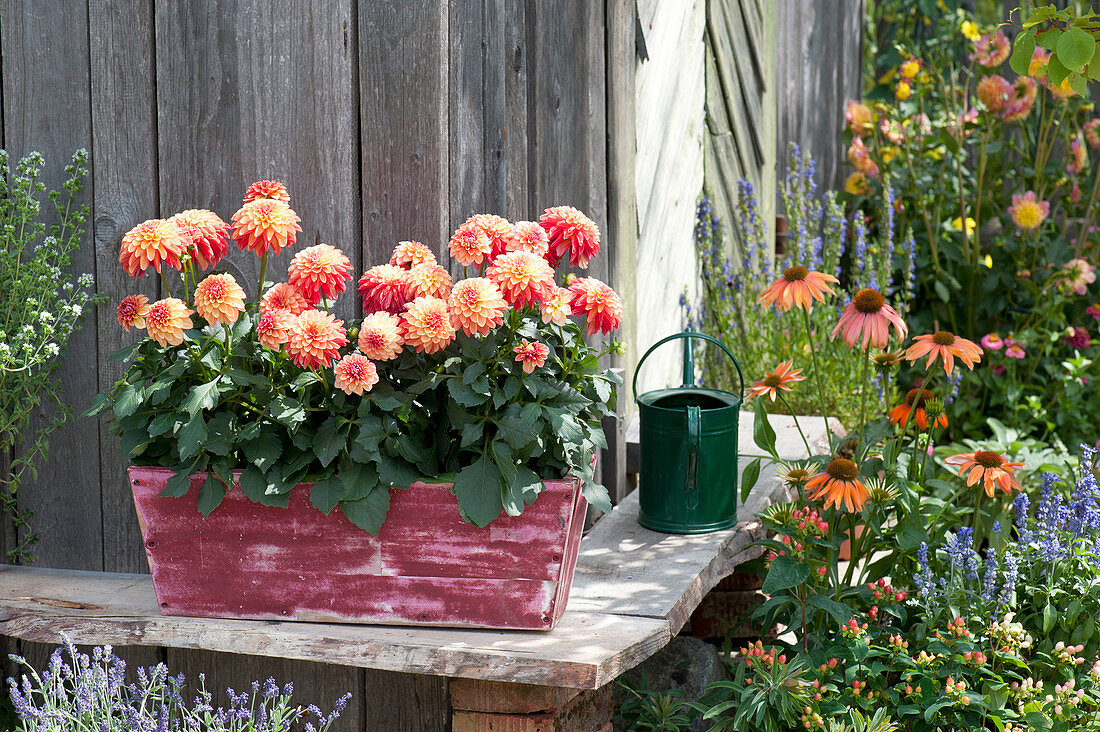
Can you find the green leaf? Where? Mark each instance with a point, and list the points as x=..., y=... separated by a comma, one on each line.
x=326, y=493
x=596, y=495
x=222, y=433
x=254, y=485
x=1022, y=51
x=368, y=513
x=762, y=433
x=1050, y=617
x=840, y=612
x=942, y=291
x=477, y=487
x=99, y=404
x=1056, y=71
x=329, y=441
x=472, y=372
x=192, y=437
x=128, y=400
x=1075, y=48
x=287, y=411
x=163, y=423
x=749, y=477
x=784, y=574
x=178, y=485
x=517, y=432
x=357, y=479
x=464, y=395
x=264, y=450
x=203, y=396
x=125, y=353
x=471, y=433
x=396, y=473
x=210, y=494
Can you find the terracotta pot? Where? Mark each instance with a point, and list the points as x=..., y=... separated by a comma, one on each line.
x=426, y=567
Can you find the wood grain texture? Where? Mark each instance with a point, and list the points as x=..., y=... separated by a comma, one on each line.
x=46, y=108
x=586, y=650
x=272, y=94
x=405, y=702
x=124, y=177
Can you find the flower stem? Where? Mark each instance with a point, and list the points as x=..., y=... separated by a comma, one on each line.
x=818, y=378
x=263, y=275
x=797, y=426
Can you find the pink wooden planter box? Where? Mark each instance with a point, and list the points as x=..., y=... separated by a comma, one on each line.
x=426, y=567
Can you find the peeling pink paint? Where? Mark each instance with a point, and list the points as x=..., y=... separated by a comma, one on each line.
x=426, y=567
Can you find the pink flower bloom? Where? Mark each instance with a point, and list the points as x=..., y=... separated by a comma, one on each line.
x=1021, y=101
x=1092, y=133
x=1015, y=351
x=868, y=317
x=1094, y=310
x=531, y=355
x=1079, y=275
x=1078, y=158
x=992, y=342
x=1077, y=338
x=991, y=49
x=1027, y=211
x=994, y=92
x=998, y=370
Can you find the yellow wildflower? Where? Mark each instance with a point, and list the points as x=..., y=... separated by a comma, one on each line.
x=970, y=29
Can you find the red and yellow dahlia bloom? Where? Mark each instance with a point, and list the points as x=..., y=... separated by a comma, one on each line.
x=570, y=231
x=152, y=243
x=219, y=299
x=776, y=380
x=945, y=346
x=265, y=224
x=858, y=118
x=355, y=374
x=994, y=92
x=207, y=233
x=166, y=320
x=1027, y=211
x=316, y=338
x=913, y=406
x=496, y=228
x=839, y=485
x=426, y=325
x=384, y=287
x=477, y=306
x=531, y=354
x=409, y=254
x=602, y=308
x=429, y=279
x=523, y=278
x=991, y=49
x=273, y=328
x=284, y=296
x=868, y=317
x=132, y=310
x=319, y=271
x=272, y=189
x=557, y=307
x=991, y=468
x=470, y=245
x=798, y=287
x=380, y=336
x=528, y=236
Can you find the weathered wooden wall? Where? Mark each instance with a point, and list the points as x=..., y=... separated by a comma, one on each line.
x=387, y=120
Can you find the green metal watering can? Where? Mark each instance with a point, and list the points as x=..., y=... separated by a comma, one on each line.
x=688, y=483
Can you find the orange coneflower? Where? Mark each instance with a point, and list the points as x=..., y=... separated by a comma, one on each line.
x=477, y=306
x=991, y=468
x=776, y=380
x=602, y=307
x=380, y=336
x=868, y=317
x=946, y=346
x=798, y=286
x=569, y=230
x=355, y=374
x=319, y=271
x=915, y=399
x=839, y=486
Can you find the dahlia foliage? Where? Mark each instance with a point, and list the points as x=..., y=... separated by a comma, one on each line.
x=484, y=379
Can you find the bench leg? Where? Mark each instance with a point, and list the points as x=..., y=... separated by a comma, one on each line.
x=497, y=706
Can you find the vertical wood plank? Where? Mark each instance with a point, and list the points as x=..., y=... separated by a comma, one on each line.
x=466, y=110
x=46, y=108
x=505, y=104
x=403, y=101
x=271, y=94
x=412, y=702
x=125, y=183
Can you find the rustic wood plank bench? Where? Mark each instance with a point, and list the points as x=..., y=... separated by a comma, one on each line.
x=633, y=590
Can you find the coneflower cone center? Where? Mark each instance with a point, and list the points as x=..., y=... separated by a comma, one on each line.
x=842, y=469
x=772, y=381
x=917, y=397
x=943, y=338
x=798, y=475
x=868, y=301
x=796, y=273
x=988, y=459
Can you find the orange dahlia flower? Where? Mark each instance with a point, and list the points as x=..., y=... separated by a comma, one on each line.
x=273, y=328
x=868, y=317
x=426, y=325
x=913, y=406
x=776, y=380
x=470, y=245
x=839, y=486
x=602, y=308
x=219, y=299
x=429, y=279
x=991, y=468
x=522, y=277
x=411, y=253
x=317, y=271
x=272, y=189
x=380, y=336
x=497, y=229
x=263, y=224
x=166, y=321
x=798, y=286
x=207, y=233
x=132, y=311
x=355, y=374
x=150, y=244
x=384, y=287
x=284, y=296
x=945, y=346
x=528, y=236
x=570, y=231
x=557, y=307
x=476, y=306
x=531, y=355
x=316, y=338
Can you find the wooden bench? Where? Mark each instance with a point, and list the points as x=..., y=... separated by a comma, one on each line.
x=634, y=589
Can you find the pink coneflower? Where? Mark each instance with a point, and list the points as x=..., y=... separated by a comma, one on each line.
x=998, y=370
x=1079, y=275
x=283, y=296
x=991, y=49
x=273, y=328
x=602, y=308
x=272, y=189
x=945, y=346
x=523, y=278
x=992, y=342
x=868, y=317
x=208, y=234
x=219, y=299
x=380, y=336
x=776, y=381
x=477, y=306
x=1027, y=211
x=531, y=354
x=570, y=231
x=994, y=92
x=355, y=374
x=166, y=320
x=265, y=224
x=319, y=271
x=152, y=243
x=913, y=406
x=132, y=311
x=316, y=338
x=426, y=325
x=797, y=287
x=408, y=254
x=528, y=236
x=858, y=118
x=557, y=308
x=384, y=287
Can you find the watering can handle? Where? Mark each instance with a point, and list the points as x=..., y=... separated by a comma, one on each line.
x=687, y=334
